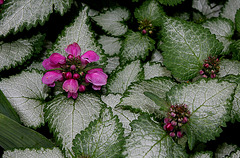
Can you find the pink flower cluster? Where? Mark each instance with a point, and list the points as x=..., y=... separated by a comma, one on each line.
x=176, y=117
x=210, y=67
x=73, y=71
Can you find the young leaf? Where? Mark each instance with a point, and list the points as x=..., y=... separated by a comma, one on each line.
x=78, y=32
x=7, y=109
x=186, y=46
x=17, y=52
x=111, y=45
x=135, y=46
x=208, y=10
x=13, y=135
x=209, y=104
x=153, y=69
x=170, y=3
x=237, y=20
x=102, y=138
x=151, y=11
x=148, y=139
x=203, y=154
x=224, y=150
x=18, y=15
x=122, y=78
x=230, y=8
x=125, y=116
x=228, y=67
x=134, y=97
x=26, y=93
x=223, y=29
x=30, y=153
x=112, y=21
x=67, y=117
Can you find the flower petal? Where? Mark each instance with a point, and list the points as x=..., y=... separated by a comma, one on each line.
x=73, y=49
x=48, y=65
x=97, y=78
x=57, y=58
x=50, y=77
x=70, y=85
x=88, y=57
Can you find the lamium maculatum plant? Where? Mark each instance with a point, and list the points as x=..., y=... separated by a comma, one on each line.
x=119, y=79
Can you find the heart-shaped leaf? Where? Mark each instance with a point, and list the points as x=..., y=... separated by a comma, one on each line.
x=112, y=21
x=148, y=139
x=17, y=52
x=186, y=46
x=27, y=94
x=209, y=104
x=67, y=117
x=134, y=97
x=102, y=138
x=26, y=14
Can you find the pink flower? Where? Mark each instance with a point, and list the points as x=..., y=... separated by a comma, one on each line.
x=97, y=77
x=54, y=61
x=1, y=2
x=50, y=77
x=71, y=86
x=73, y=49
x=88, y=57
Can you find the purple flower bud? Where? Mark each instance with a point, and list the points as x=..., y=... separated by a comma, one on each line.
x=201, y=72
x=166, y=120
x=212, y=71
x=144, y=31
x=174, y=123
x=70, y=56
x=68, y=75
x=76, y=76
x=1, y=2
x=73, y=49
x=179, y=134
x=82, y=88
x=213, y=75
x=206, y=65
x=204, y=76
x=172, y=134
x=173, y=114
x=73, y=67
x=185, y=120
